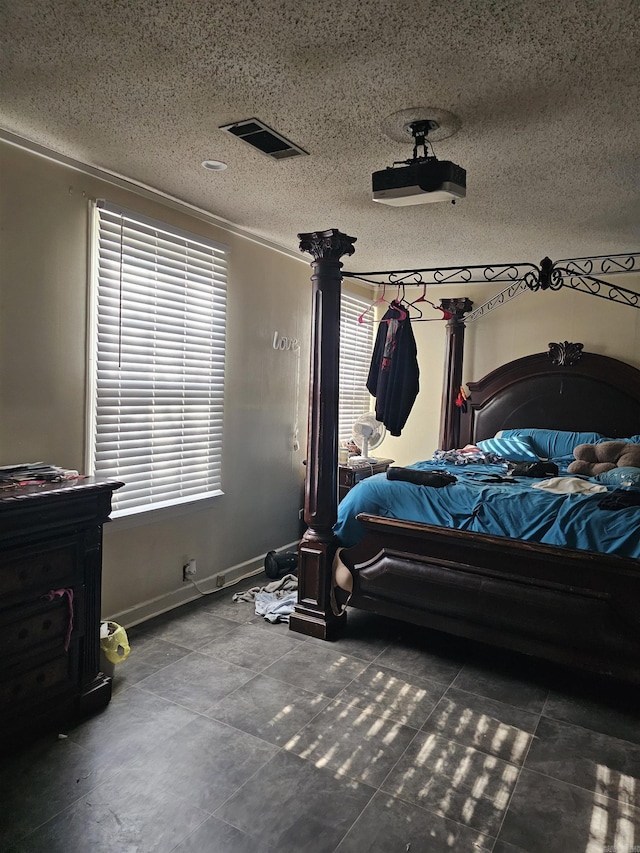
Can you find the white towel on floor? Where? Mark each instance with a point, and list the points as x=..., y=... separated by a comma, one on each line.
x=280, y=588
x=275, y=609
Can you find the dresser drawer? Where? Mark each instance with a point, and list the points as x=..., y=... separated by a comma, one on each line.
x=43, y=622
x=345, y=477
x=39, y=567
x=37, y=679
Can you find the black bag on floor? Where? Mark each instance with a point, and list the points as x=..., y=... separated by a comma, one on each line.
x=277, y=565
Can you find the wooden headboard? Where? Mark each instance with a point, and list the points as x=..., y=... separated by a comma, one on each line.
x=563, y=388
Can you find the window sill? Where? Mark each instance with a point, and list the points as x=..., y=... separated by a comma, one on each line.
x=143, y=516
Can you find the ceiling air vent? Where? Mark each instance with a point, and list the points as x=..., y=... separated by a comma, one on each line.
x=260, y=136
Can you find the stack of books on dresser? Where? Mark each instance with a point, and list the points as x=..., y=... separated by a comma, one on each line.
x=33, y=472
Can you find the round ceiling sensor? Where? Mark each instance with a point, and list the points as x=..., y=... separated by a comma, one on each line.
x=397, y=126
x=214, y=165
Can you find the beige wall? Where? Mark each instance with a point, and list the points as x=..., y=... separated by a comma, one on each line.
x=43, y=300
x=521, y=327
x=43, y=303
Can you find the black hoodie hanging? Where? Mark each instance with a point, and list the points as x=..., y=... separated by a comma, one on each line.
x=393, y=375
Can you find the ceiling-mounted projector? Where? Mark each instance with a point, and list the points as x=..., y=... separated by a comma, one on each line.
x=421, y=180
x=420, y=183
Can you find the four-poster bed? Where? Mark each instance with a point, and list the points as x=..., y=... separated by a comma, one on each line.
x=574, y=607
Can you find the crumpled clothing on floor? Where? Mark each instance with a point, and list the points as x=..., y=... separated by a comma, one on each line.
x=275, y=601
x=275, y=609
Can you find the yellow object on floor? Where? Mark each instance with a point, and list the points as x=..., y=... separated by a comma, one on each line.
x=114, y=642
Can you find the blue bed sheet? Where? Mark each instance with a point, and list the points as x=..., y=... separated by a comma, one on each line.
x=515, y=510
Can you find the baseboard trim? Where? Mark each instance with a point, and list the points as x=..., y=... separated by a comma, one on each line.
x=146, y=610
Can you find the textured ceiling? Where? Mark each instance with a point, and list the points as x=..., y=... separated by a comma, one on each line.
x=547, y=94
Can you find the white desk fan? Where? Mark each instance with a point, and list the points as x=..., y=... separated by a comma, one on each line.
x=367, y=433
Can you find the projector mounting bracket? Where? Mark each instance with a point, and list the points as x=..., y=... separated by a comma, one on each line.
x=419, y=131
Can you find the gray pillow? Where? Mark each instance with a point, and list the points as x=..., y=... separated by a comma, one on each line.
x=620, y=478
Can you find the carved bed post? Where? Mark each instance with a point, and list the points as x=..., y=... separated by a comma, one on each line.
x=313, y=614
x=450, y=418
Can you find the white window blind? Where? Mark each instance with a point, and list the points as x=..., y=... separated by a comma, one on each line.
x=356, y=349
x=159, y=347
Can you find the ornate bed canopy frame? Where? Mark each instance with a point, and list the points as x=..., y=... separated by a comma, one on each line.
x=578, y=274
x=314, y=614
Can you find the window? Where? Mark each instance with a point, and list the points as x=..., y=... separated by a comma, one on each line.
x=158, y=346
x=356, y=349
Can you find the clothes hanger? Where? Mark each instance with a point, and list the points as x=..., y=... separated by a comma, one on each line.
x=396, y=306
x=418, y=315
x=394, y=303
x=410, y=305
x=423, y=298
x=373, y=304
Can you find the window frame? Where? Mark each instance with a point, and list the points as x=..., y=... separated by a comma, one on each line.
x=212, y=447
x=355, y=339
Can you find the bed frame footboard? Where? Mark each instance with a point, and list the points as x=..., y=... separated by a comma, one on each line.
x=576, y=608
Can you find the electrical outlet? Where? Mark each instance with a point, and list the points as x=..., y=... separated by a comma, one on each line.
x=219, y=580
x=188, y=570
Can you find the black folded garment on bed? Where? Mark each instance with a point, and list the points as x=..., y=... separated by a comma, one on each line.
x=532, y=469
x=620, y=499
x=437, y=479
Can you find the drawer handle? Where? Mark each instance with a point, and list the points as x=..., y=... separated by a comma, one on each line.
x=22, y=635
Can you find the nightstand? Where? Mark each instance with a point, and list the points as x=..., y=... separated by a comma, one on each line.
x=349, y=475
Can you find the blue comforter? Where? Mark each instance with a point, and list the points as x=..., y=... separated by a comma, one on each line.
x=514, y=510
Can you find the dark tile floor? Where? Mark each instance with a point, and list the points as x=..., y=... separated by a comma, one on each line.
x=227, y=734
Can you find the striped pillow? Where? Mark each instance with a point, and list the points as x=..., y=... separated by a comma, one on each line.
x=516, y=449
x=553, y=443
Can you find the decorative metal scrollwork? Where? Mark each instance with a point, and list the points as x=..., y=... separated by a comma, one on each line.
x=603, y=265
x=595, y=287
x=531, y=280
x=546, y=273
x=450, y=275
x=548, y=277
x=577, y=274
x=407, y=279
x=499, y=299
x=460, y=275
x=563, y=354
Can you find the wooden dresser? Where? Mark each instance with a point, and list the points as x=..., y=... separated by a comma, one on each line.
x=50, y=590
